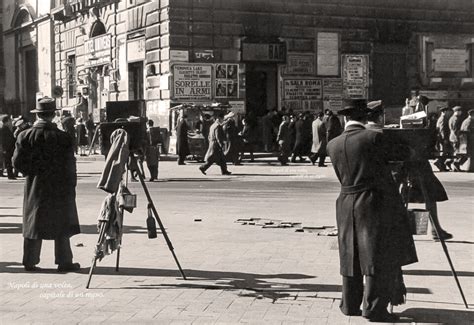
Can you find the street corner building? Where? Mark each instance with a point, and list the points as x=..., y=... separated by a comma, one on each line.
x=254, y=55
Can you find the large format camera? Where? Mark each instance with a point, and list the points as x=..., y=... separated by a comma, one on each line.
x=128, y=115
x=421, y=143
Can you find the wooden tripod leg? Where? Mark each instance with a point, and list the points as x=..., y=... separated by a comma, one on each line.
x=445, y=248
x=155, y=213
x=103, y=226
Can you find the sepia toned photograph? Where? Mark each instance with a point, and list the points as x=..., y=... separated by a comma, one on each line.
x=236, y=162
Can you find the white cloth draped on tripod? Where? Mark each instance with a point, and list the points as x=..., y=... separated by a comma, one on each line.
x=110, y=216
x=116, y=161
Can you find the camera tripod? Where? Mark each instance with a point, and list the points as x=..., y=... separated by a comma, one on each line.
x=415, y=177
x=134, y=167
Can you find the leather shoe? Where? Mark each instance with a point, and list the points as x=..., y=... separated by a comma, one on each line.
x=70, y=267
x=440, y=166
x=443, y=234
x=31, y=268
x=202, y=170
x=384, y=317
x=226, y=173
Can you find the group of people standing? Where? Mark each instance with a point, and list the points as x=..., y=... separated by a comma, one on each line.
x=455, y=138
x=81, y=130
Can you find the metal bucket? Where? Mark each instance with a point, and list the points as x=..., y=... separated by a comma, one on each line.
x=418, y=221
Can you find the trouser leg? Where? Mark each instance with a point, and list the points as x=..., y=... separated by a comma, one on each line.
x=31, y=251
x=352, y=293
x=375, y=296
x=432, y=208
x=322, y=159
x=223, y=164
x=206, y=165
x=62, y=251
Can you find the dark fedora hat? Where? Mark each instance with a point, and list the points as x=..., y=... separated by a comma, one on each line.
x=45, y=104
x=354, y=107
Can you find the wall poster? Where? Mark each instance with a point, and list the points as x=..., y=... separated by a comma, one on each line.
x=301, y=94
x=299, y=64
x=328, y=54
x=332, y=94
x=192, y=81
x=355, y=75
x=227, y=81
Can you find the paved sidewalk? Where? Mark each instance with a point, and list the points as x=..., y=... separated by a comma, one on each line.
x=236, y=273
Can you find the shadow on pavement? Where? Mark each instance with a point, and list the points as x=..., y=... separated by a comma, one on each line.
x=265, y=285
x=439, y=316
x=16, y=267
x=192, y=179
x=10, y=216
x=436, y=273
x=16, y=228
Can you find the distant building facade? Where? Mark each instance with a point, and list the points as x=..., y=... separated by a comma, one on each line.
x=255, y=55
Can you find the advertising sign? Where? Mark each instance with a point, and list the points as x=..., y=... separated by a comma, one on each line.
x=299, y=64
x=264, y=52
x=332, y=94
x=302, y=89
x=192, y=81
x=98, y=50
x=355, y=75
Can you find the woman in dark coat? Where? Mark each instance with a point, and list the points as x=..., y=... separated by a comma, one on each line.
x=232, y=142
x=46, y=156
x=182, y=146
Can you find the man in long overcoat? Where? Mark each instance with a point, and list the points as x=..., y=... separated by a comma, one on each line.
x=232, y=139
x=333, y=126
x=7, y=145
x=455, y=126
x=182, y=146
x=284, y=140
x=302, y=134
x=374, y=240
x=215, y=152
x=318, y=150
x=442, y=138
x=46, y=156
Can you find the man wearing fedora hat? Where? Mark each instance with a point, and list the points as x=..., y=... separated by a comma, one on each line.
x=45, y=155
x=374, y=240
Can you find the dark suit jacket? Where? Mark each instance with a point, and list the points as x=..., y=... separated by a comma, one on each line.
x=182, y=146
x=371, y=217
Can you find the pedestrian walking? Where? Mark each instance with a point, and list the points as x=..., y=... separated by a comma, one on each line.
x=302, y=134
x=283, y=139
x=232, y=139
x=318, y=149
x=203, y=126
x=466, y=141
x=81, y=136
x=7, y=140
x=373, y=233
x=249, y=137
x=267, y=131
x=182, y=146
x=45, y=155
x=69, y=126
x=454, y=128
x=152, y=153
x=215, y=152
x=443, y=163
x=333, y=126
x=90, y=126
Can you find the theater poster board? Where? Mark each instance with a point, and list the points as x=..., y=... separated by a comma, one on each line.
x=355, y=75
x=192, y=82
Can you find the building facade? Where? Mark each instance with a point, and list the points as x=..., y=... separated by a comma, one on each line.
x=2, y=66
x=256, y=55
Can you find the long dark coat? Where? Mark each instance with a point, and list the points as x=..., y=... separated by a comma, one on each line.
x=319, y=137
x=215, y=152
x=45, y=155
x=182, y=147
x=333, y=127
x=370, y=213
x=232, y=141
x=303, y=134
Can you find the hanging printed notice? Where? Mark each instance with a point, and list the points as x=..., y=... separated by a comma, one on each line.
x=332, y=94
x=355, y=76
x=302, y=89
x=192, y=81
x=299, y=64
x=328, y=54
